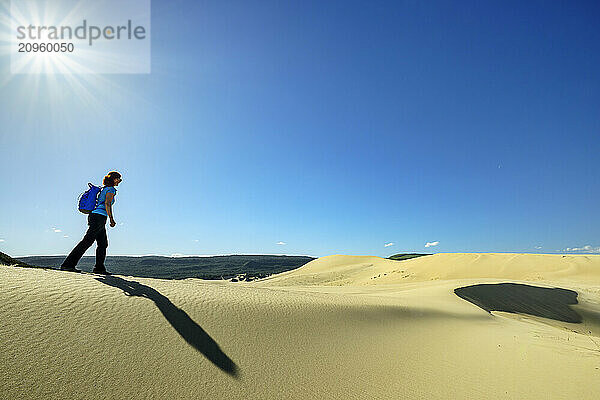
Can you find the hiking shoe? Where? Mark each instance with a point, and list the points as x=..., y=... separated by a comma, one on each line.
x=72, y=269
x=101, y=271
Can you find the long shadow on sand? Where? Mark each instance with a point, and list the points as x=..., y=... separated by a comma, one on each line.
x=552, y=303
x=179, y=320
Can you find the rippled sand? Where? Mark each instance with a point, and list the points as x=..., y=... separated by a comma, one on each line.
x=340, y=327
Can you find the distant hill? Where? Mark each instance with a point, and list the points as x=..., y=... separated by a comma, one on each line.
x=407, y=256
x=239, y=267
x=5, y=259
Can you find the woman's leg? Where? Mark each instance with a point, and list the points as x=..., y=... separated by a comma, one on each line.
x=102, y=242
x=95, y=226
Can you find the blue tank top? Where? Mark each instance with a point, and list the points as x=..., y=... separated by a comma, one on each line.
x=100, y=206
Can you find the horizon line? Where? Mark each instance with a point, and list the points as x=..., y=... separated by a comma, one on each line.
x=174, y=255
x=177, y=255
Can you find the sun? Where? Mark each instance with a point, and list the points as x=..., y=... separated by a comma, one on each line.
x=64, y=77
x=75, y=37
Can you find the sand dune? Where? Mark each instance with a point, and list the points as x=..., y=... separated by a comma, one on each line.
x=340, y=327
x=341, y=270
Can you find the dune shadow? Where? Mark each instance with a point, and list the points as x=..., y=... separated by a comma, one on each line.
x=552, y=303
x=179, y=320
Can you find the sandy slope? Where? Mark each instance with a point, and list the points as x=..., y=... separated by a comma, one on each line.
x=368, y=270
x=340, y=327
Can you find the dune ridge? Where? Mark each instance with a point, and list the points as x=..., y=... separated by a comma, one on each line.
x=340, y=270
x=340, y=327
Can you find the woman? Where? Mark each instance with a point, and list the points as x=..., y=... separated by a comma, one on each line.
x=97, y=229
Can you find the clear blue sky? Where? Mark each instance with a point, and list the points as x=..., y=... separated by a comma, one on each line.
x=335, y=127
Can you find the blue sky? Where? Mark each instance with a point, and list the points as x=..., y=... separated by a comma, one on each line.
x=332, y=127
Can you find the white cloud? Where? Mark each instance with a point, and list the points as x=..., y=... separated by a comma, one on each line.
x=388, y=244
x=56, y=230
x=196, y=240
x=431, y=244
x=538, y=247
x=66, y=236
x=1, y=240
x=585, y=249
x=281, y=243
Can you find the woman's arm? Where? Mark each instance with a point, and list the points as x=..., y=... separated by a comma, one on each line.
x=108, y=206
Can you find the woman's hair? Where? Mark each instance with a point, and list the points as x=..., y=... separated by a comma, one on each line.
x=109, y=179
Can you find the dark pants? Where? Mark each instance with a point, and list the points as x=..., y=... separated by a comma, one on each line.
x=97, y=232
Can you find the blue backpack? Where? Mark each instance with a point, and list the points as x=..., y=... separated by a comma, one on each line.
x=87, y=200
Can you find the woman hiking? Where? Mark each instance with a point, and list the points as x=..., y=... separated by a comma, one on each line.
x=97, y=229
